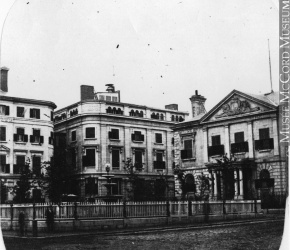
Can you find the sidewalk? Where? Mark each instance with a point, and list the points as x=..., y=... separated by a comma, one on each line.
x=41, y=235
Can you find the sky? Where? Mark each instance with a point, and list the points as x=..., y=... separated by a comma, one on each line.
x=155, y=52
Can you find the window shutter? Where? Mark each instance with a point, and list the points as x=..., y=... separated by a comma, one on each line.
x=31, y=113
x=37, y=113
x=7, y=110
x=25, y=138
x=41, y=139
x=32, y=139
x=183, y=154
x=110, y=134
x=133, y=137
x=51, y=115
x=142, y=137
x=257, y=144
x=15, y=137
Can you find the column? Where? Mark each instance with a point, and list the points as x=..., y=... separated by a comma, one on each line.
x=236, y=184
x=241, y=184
x=103, y=148
x=210, y=185
x=215, y=185
x=275, y=136
x=205, y=145
x=149, y=151
x=227, y=141
x=250, y=140
x=168, y=161
x=127, y=141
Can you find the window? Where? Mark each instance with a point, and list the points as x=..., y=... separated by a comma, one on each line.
x=159, y=163
x=36, y=137
x=216, y=140
x=138, y=159
x=20, y=136
x=115, y=99
x=239, y=137
x=35, y=113
x=264, y=133
x=20, y=164
x=101, y=97
x=137, y=136
x=4, y=168
x=91, y=186
x=117, y=188
x=73, y=135
x=187, y=152
x=240, y=144
x=158, y=138
x=108, y=98
x=20, y=111
x=89, y=160
x=115, y=159
x=4, y=110
x=36, y=165
x=50, y=139
x=90, y=133
x=114, y=134
x=2, y=133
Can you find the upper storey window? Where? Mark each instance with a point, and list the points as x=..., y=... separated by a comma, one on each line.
x=4, y=110
x=240, y=144
x=20, y=111
x=35, y=113
x=114, y=111
x=114, y=134
x=264, y=142
x=216, y=148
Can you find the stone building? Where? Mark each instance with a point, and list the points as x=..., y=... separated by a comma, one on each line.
x=244, y=128
x=26, y=128
x=101, y=131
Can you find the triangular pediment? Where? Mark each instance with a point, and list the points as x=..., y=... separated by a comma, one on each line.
x=238, y=104
x=4, y=148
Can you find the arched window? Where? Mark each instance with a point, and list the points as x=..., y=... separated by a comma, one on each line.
x=189, y=183
x=264, y=174
x=180, y=119
x=176, y=118
x=119, y=111
x=132, y=113
x=157, y=116
x=153, y=115
x=137, y=113
x=162, y=117
x=141, y=114
x=172, y=118
x=114, y=110
x=109, y=110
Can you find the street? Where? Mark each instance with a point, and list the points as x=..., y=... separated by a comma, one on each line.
x=267, y=235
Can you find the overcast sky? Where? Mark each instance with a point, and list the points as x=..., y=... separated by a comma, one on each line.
x=167, y=49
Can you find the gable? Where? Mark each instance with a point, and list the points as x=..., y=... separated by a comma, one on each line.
x=237, y=104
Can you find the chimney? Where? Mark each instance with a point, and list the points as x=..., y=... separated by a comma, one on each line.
x=197, y=104
x=4, y=79
x=171, y=106
x=87, y=92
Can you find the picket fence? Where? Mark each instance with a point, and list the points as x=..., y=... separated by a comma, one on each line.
x=79, y=210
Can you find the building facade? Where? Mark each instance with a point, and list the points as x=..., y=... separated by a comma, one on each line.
x=235, y=145
x=26, y=135
x=101, y=131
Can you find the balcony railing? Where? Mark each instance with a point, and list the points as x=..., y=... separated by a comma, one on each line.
x=159, y=164
x=20, y=137
x=216, y=150
x=186, y=154
x=239, y=147
x=264, y=144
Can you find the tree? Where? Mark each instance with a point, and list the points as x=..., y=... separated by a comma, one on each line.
x=26, y=183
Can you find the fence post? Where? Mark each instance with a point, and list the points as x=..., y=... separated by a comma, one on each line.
x=189, y=208
x=11, y=216
x=167, y=209
x=124, y=209
x=75, y=211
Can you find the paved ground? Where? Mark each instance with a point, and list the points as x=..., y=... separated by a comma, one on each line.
x=265, y=235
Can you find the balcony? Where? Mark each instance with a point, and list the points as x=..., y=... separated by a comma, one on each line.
x=186, y=154
x=36, y=139
x=159, y=164
x=216, y=150
x=239, y=147
x=264, y=144
x=20, y=138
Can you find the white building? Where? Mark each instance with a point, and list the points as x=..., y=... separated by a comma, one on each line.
x=26, y=131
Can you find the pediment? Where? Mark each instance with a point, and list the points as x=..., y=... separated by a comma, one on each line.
x=237, y=104
x=4, y=148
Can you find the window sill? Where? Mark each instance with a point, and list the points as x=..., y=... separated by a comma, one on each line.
x=138, y=141
x=264, y=150
x=117, y=140
x=189, y=159
x=36, y=143
x=20, y=142
x=157, y=143
x=215, y=156
x=3, y=141
x=90, y=139
x=240, y=153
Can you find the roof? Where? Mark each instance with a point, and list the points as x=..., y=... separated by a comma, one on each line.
x=271, y=98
